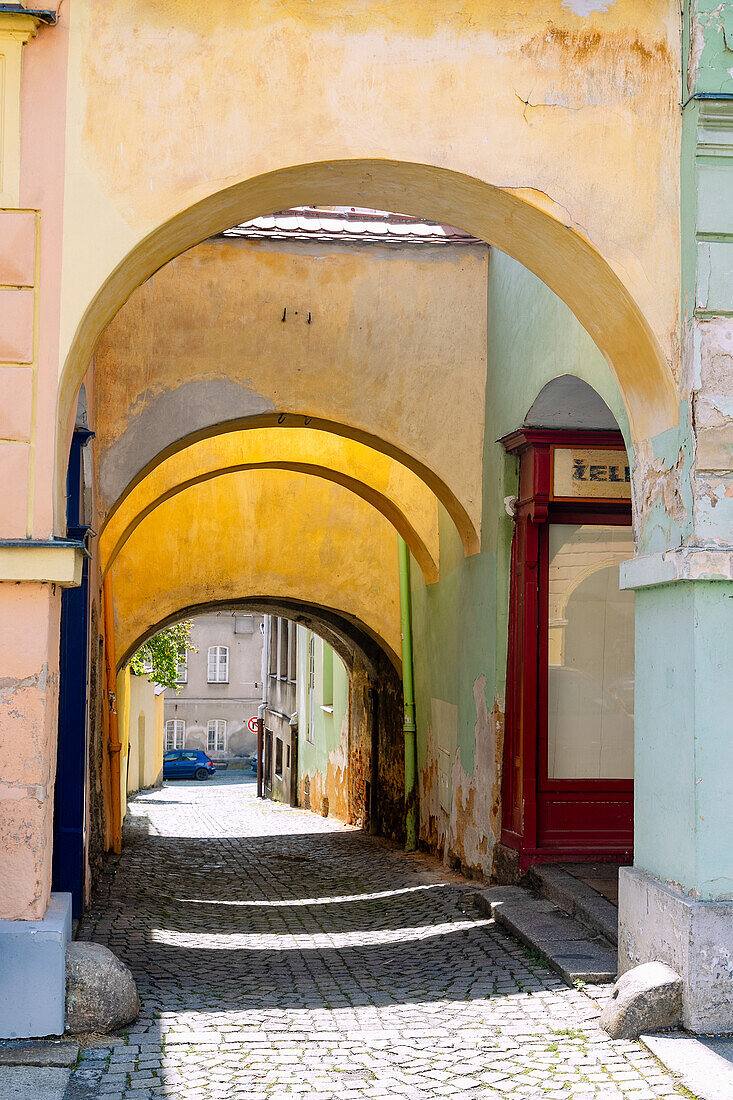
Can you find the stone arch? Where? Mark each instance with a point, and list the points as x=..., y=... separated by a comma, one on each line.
x=375, y=697
x=282, y=531
x=286, y=422
x=525, y=224
x=392, y=488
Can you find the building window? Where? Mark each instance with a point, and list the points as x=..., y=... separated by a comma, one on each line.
x=272, y=646
x=216, y=735
x=218, y=664
x=327, y=676
x=175, y=732
x=182, y=677
x=278, y=758
x=292, y=651
x=282, y=657
x=311, y=688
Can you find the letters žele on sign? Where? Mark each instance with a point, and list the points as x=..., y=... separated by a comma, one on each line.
x=582, y=474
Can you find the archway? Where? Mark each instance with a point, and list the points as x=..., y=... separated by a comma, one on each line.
x=367, y=787
x=393, y=489
x=523, y=227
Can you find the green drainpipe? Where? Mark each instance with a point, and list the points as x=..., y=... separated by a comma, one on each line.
x=409, y=698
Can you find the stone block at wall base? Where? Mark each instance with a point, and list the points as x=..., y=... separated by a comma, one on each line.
x=33, y=972
x=658, y=923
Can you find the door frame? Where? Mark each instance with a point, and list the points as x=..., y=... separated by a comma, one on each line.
x=526, y=690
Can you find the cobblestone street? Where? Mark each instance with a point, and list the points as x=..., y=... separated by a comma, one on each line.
x=281, y=954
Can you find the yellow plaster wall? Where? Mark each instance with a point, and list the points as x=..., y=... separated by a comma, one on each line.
x=391, y=487
x=144, y=701
x=553, y=135
x=395, y=347
x=123, y=731
x=259, y=533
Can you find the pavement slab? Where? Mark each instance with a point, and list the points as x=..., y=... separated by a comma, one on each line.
x=33, y=1082
x=282, y=954
x=38, y=1052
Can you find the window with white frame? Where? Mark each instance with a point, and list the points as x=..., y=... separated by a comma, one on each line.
x=216, y=735
x=282, y=658
x=311, y=687
x=218, y=664
x=182, y=676
x=292, y=651
x=175, y=732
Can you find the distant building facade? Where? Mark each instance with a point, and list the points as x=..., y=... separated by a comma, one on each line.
x=306, y=721
x=280, y=762
x=220, y=687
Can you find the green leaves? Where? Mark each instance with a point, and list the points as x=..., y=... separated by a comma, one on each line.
x=161, y=656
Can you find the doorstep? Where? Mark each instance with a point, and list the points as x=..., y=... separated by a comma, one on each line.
x=574, y=950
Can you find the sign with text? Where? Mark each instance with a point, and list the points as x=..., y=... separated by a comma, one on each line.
x=581, y=473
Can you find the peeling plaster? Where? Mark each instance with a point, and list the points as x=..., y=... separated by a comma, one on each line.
x=9, y=685
x=468, y=834
x=696, y=47
x=662, y=501
x=16, y=792
x=584, y=8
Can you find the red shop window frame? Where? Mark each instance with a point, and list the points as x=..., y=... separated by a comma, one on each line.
x=525, y=744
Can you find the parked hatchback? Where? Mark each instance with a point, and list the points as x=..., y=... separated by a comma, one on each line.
x=187, y=764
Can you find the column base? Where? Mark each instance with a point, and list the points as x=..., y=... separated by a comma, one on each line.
x=33, y=975
x=658, y=923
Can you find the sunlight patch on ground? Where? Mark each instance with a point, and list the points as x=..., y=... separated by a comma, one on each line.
x=233, y=941
x=288, y=903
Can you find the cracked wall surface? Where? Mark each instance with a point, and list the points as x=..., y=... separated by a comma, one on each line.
x=29, y=624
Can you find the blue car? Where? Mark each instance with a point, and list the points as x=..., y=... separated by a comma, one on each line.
x=187, y=764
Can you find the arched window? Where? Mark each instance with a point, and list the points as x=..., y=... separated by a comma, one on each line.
x=216, y=735
x=218, y=664
x=175, y=732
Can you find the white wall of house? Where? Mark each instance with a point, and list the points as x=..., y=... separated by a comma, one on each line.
x=222, y=689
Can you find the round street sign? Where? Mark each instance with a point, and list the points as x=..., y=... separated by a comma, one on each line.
x=252, y=724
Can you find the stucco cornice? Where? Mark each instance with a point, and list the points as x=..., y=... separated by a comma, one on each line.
x=21, y=23
x=698, y=563
x=42, y=562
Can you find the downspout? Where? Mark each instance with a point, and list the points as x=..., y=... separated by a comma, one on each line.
x=408, y=692
x=110, y=708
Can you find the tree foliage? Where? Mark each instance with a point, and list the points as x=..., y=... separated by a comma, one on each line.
x=160, y=657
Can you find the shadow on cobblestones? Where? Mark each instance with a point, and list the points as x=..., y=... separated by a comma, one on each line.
x=277, y=953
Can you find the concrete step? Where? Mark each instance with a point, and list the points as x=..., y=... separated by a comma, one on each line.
x=577, y=899
x=570, y=948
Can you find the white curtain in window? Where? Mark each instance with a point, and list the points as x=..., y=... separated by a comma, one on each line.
x=216, y=735
x=175, y=730
x=218, y=664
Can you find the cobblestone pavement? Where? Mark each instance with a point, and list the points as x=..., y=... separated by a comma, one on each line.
x=281, y=954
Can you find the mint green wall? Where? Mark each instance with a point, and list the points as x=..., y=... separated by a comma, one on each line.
x=684, y=735
x=684, y=630
x=313, y=757
x=460, y=623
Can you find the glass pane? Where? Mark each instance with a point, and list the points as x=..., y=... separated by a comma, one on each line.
x=590, y=655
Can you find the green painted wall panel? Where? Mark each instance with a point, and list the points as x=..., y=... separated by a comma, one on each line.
x=684, y=735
